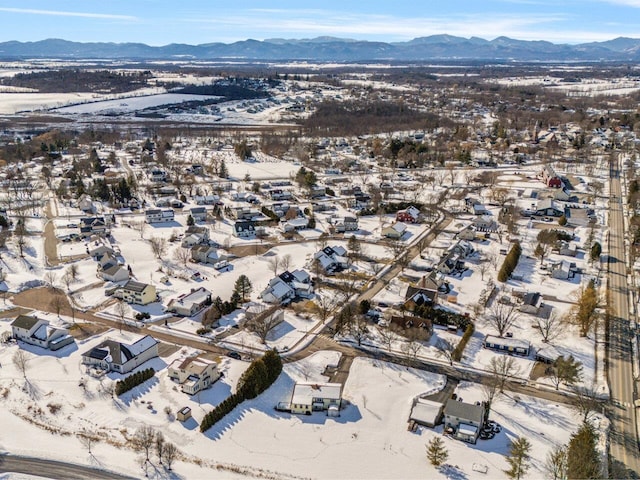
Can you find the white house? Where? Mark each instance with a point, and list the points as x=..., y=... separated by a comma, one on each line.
x=465, y=419
x=194, y=374
x=315, y=397
x=195, y=235
x=121, y=357
x=395, y=231
x=188, y=304
x=332, y=259
x=156, y=215
x=37, y=331
x=199, y=214
x=114, y=273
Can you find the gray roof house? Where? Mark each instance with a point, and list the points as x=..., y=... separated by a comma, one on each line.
x=37, y=331
x=121, y=357
x=466, y=419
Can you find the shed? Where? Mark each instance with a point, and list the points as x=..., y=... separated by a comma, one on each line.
x=184, y=414
x=426, y=412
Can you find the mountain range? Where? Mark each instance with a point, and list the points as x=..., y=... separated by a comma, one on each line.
x=435, y=47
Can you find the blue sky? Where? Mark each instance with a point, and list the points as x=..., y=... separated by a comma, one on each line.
x=160, y=22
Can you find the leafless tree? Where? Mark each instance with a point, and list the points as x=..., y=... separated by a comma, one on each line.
x=21, y=360
x=586, y=401
x=445, y=348
x=170, y=454
x=411, y=349
x=286, y=261
x=490, y=387
x=57, y=302
x=264, y=323
x=483, y=268
x=50, y=278
x=274, y=264
x=359, y=329
x=72, y=270
x=502, y=317
x=144, y=439
x=502, y=367
x=182, y=255
x=556, y=463
x=395, y=247
x=324, y=306
x=158, y=246
x=86, y=439
x=160, y=445
x=388, y=335
x=140, y=227
x=67, y=279
x=550, y=327
x=121, y=309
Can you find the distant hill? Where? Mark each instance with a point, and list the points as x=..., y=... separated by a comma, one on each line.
x=435, y=47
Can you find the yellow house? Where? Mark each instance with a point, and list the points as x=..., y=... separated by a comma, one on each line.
x=138, y=292
x=315, y=397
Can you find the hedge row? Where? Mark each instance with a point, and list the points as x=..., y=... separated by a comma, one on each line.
x=468, y=333
x=256, y=379
x=510, y=262
x=134, y=380
x=439, y=316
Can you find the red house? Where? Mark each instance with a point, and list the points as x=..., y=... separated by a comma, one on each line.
x=409, y=215
x=550, y=178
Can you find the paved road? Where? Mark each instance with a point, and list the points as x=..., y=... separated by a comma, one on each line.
x=625, y=461
x=53, y=469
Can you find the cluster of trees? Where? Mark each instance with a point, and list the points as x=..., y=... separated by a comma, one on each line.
x=256, y=379
x=241, y=290
x=510, y=262
x=578, y=459
x=466, y=336
x=439, y=316
x=80, y=80
x=359, y=117
x=133, y=380
x=146, y=440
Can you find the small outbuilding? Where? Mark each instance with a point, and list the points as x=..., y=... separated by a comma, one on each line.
x=184, y=414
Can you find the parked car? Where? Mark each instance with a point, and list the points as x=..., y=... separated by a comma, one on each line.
x=234, y=355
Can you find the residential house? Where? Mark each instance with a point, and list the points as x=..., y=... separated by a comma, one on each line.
x=464, y=419
x=549, y=208
x=511, y=345
x=114, y=273
x=157, y=175
x=298, y=223
x=408, y=215
x=332, y=259
x=485, y=223
x=194, y=374
x=423, y=293
x=310, y=397
x=567, y=249
x=287, y=286
x=395, y=231
x=205, y=254
x=562, y=270
x=37, y=331
x=346, y=224
x=199, y=214
x=550, y=178
x=244, y=228
x=531, y=303
x=156, y=215
x=189, y=304
x=114, y=356
x=86, y=204
x=195, y=235
x=93, y=226
x=138, y=293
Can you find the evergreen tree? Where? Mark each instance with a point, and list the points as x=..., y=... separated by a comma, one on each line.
x=596, y=250
x=437, y=452
x=190, y=221
x=223, y=172
x=243, y=287
x=518, y=458
x=582, y=458
x=273, y=363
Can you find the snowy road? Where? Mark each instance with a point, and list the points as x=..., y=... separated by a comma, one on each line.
x=52, y=469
